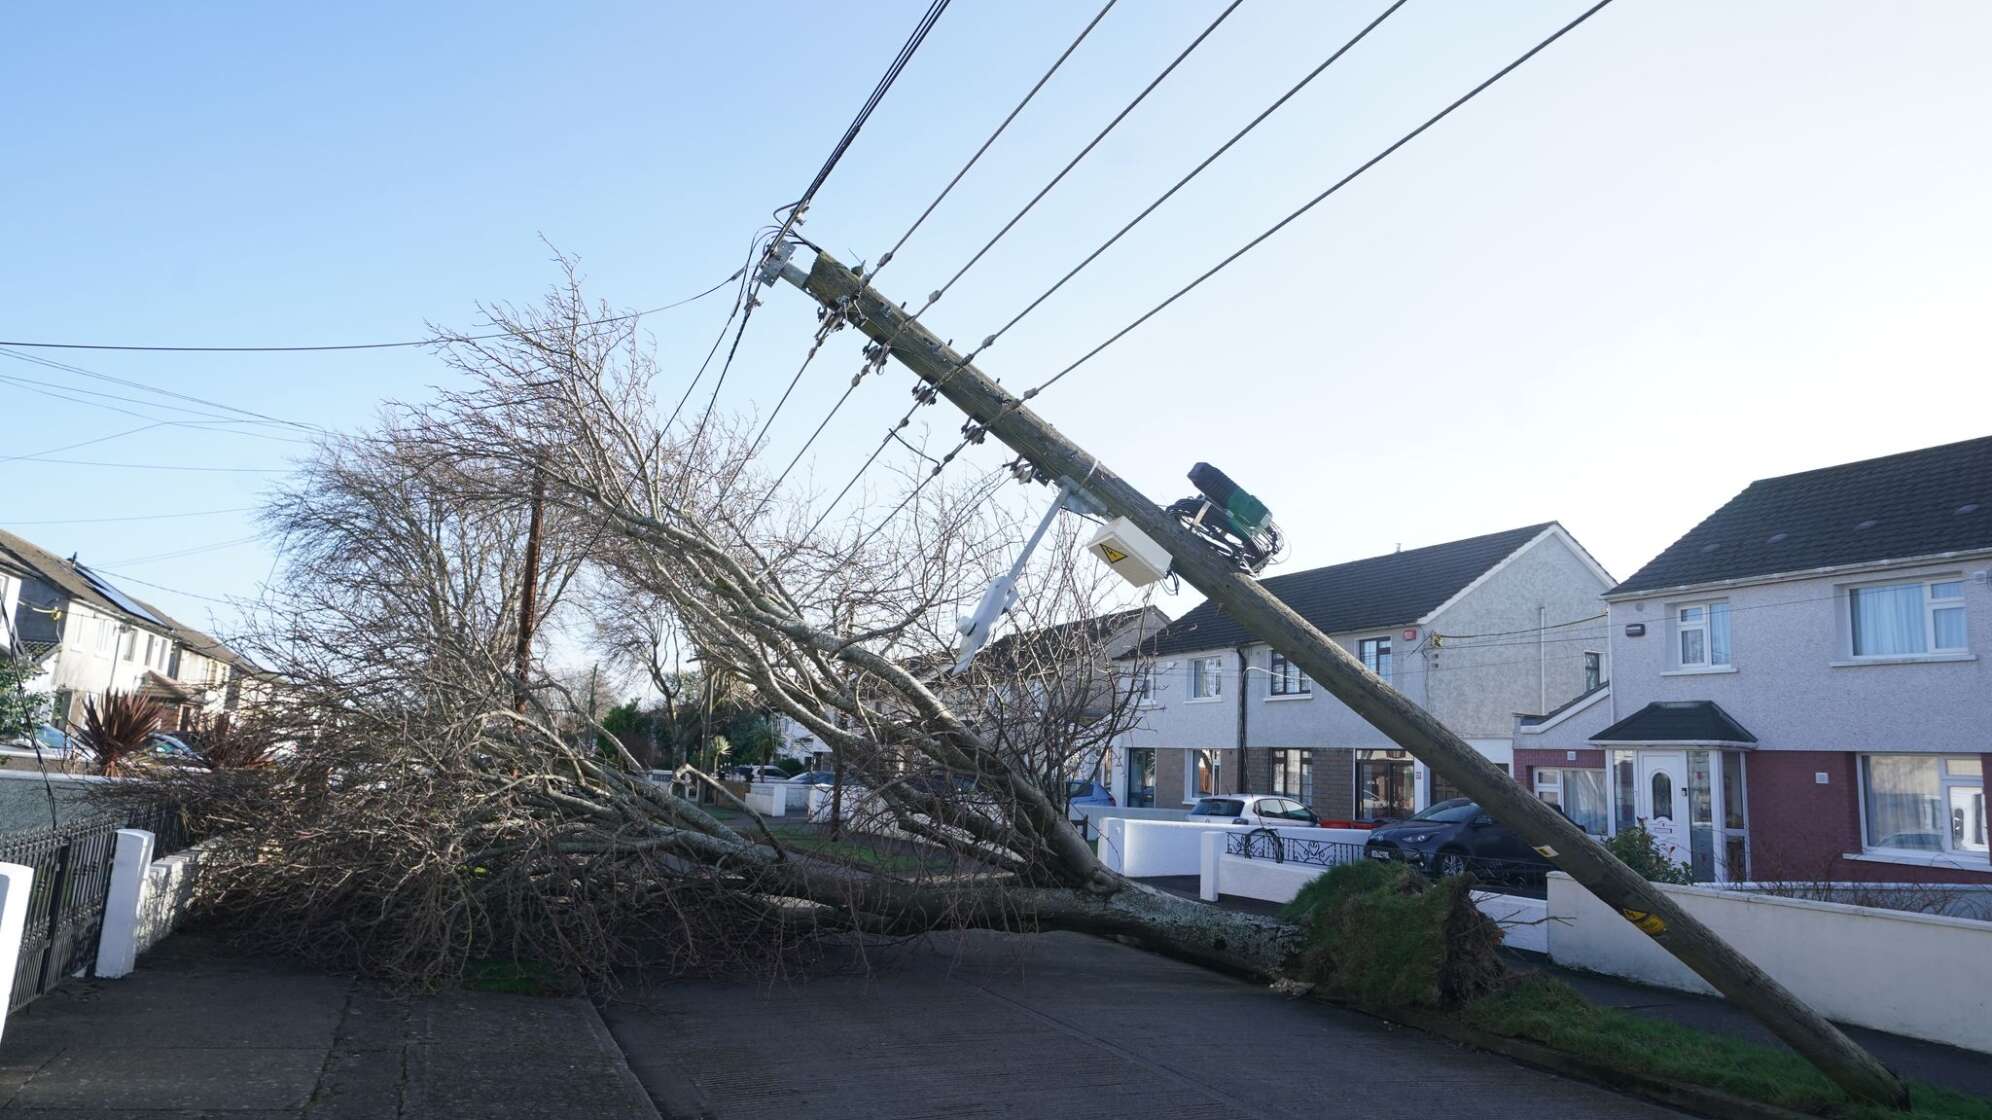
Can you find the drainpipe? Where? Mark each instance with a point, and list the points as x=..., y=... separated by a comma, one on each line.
x=1542, y=661
x=1244, y=771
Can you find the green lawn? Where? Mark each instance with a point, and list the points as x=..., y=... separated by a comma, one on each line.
x=1545, y=1010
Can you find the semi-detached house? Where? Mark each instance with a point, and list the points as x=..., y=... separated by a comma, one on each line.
x=1463, y=629
x=1799, y=688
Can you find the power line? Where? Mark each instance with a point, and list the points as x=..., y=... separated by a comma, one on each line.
x=65, y=392
x=798, y=207
x=156, y=466
x=135, y=517
x=836, y=407
x=194, y=551
x=1085, y=151
x=1319, y=198
x=349, y=345
x=1195, y=171
x=1028, y=96
x=140, y=385
x=161, y=586
x=921, y=398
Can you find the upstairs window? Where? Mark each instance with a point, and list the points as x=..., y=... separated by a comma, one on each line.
x=1907, y=619
x=1594, y=670
x=1141, y=687
x=1375, y=653
x=1206, y=678
x=1288, y=680
x=1701, y=635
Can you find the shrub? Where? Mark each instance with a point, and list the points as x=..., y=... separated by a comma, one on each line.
x=1382, y=935
x=1636, y=848
x=118, y=730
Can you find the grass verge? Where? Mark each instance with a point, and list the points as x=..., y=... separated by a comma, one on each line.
x=1545, y=1010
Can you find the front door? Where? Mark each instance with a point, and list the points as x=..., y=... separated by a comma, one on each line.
x=1663, y=801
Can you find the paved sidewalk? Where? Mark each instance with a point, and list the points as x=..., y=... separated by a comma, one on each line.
x=1056, y=1026
x=198, y=1032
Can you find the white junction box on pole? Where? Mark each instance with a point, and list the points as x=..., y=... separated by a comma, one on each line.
x=1131, y=553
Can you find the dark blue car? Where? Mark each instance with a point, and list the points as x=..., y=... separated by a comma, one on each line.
x=1455, y=837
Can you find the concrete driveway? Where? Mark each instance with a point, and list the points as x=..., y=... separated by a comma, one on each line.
x=1055, y=1026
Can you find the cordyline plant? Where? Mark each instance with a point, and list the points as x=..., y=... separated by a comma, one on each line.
x=425, y=823
x=118, y=730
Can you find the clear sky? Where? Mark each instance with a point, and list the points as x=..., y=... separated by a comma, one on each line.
x=1694, y=243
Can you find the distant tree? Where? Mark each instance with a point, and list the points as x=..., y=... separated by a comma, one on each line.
x=22, y=712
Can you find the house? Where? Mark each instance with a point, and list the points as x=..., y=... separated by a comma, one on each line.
x=1463, y=629
x=90, y=638
x=1797, y=690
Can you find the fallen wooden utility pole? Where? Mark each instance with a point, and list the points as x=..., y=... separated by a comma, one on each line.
x=1263, y=615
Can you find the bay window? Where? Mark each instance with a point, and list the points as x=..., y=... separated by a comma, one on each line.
x=1579, y=792
x=1927, y=804
x=1907, y=619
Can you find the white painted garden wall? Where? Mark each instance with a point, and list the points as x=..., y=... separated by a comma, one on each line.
x=1142, y=848
x=1523, y=921
x=1913, y=974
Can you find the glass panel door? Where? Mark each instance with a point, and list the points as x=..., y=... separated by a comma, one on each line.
x=1662, y=789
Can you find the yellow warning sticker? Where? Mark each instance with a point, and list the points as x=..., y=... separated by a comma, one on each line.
x=1649, y=924
x=1545, y=851
x=1113, y=555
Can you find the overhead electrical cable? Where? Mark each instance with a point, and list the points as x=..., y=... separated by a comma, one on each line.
x=1196, y=171
x=797, y=208
x=1004, y=231
x=143, y=387
x=133, y=517
x=1319, y=198
x=1001, y=127
x=347, y=345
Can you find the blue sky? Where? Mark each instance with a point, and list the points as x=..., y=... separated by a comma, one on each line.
x=1693, y=244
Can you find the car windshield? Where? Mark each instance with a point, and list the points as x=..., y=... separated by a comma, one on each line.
x=1078, y=789
x=1449, y=812
x=1218, y=807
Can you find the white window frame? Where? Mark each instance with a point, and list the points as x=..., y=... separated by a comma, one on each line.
x=1705, y=626
x=1286, y=681
x=1931, y=605
x=1206, y=672
x=1590, y=659
x=1141, y=686
x=1370, y=651
x=1946, y=781
x=1190, y=759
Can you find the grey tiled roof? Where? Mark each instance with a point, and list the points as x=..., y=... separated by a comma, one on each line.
x=1377, y=593
x=1917, y=503
x=1676, y=721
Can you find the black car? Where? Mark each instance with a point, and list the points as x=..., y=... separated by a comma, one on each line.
x=1454, y=837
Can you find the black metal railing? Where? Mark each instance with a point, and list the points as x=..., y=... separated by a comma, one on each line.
x=72, y=881
x=1264, y=843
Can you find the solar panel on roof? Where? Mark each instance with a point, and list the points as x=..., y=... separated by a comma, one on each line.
x=124, y=602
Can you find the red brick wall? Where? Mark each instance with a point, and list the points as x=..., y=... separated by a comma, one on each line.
x=1801, y=830
x=1526, y=762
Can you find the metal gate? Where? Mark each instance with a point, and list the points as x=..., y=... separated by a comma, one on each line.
x=72, y=866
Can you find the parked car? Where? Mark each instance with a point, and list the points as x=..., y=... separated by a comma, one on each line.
x=1270, y=810
x=1454, y=837
x=815, y=778
x=1085, y=791
x=752, y=774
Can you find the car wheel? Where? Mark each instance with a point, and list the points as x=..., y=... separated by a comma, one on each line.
x=1449, y=864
